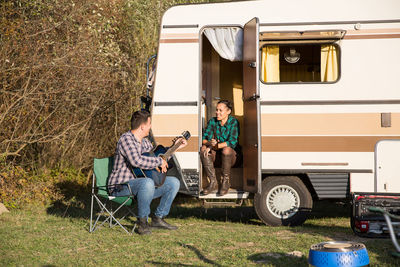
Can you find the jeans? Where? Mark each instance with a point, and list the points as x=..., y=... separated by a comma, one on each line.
x=145, y=192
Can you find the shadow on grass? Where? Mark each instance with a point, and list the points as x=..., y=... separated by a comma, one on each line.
x=278, y=259
x=192, y=248
x=247, y=214
x=75, y=202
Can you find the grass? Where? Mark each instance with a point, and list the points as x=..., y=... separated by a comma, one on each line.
x=57, y=235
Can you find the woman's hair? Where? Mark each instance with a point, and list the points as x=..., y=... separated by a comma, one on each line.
x=227, y=103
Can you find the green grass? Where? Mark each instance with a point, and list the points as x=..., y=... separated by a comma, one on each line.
x=58, y=235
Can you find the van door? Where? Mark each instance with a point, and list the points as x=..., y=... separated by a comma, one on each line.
x=251, y=109
x=387, y=168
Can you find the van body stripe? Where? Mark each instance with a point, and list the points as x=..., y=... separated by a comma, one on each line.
x=321, y=143
x=192, y=146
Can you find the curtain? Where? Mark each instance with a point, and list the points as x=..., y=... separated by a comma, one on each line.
x=270, y=63
x=296, y=73
x=228, y=42
x=329, y=64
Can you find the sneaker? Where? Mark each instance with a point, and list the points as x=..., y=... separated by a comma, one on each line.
x=157, y=222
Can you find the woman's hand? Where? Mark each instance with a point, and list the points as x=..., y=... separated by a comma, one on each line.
x=206, y=152
x=213, y=142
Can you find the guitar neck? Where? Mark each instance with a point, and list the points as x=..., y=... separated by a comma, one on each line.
x=172, y=150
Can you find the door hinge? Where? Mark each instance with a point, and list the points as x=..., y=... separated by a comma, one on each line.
x=253, y=64
x=254, y=97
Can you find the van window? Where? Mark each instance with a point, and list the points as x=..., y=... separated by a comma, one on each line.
x=293, y=63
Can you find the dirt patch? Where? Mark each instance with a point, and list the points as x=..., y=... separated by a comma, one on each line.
x=3, y=208
x=295, y=253
x=284, y=234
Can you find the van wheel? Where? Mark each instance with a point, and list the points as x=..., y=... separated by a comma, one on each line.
x=284, y=200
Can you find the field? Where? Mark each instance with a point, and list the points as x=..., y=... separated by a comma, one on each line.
x=57, y=235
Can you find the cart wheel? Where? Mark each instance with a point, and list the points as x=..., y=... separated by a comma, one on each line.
x=284, y=200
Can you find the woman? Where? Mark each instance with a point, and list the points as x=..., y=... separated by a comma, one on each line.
x=220, y=145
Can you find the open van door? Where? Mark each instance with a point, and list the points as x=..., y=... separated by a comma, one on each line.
x=251, y=109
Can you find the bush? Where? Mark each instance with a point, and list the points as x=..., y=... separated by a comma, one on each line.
x=71, y=73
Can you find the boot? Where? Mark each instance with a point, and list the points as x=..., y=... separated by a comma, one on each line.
x=208, y=165
x=226, y=175
x=157, y=222
x=143, y=228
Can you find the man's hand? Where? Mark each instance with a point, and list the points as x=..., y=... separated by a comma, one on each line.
x=164, y=166
x=184, y=142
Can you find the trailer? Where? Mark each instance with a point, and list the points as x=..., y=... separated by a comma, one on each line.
x=314, y=88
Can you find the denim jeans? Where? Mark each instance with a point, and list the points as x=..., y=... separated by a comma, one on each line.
x=145, y=192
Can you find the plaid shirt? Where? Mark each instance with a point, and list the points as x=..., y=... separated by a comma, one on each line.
x=228, y=133
x=128, y=154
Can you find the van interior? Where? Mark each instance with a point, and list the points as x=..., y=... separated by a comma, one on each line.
x=221, y=79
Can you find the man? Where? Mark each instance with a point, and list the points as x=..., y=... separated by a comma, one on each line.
x=128, y=155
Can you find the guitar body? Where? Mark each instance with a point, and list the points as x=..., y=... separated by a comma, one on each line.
x=155, y=174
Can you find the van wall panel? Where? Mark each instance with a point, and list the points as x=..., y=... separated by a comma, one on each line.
x=177, y=76
x=362, y=182
x=362, y=161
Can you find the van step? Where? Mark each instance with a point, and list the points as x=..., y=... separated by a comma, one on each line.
x=226, y=203
x=232, y=194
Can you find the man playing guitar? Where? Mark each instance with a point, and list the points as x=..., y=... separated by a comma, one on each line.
x=122, y=182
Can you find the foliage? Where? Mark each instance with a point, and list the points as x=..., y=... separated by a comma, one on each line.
x=20, y=187
x=71, y=73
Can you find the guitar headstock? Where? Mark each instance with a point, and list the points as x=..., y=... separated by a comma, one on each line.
x=186, y=135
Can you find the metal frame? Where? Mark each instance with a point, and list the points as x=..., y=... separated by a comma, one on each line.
x=108, y=213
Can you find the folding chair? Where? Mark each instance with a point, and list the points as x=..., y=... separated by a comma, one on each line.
x=101, y=170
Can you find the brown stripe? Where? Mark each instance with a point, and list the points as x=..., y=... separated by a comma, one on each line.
x=321, y=143
x=330, y=102
x=192, y=146
x=343, y=124
x=179, y=35
x=324, y=164
x=371, y=36
x=173, y=41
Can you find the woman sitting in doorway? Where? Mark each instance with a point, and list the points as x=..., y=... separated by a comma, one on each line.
x=220, y=147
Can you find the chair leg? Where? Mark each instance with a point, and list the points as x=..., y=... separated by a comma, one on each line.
x=91, y=207
x=111, y=217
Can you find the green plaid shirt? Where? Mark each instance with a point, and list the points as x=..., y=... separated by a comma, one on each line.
x=228, y=133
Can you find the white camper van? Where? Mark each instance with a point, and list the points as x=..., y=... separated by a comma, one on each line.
x=315, y=87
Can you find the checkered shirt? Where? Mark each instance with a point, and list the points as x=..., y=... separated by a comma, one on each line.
x=128, y=154
x=228, y=133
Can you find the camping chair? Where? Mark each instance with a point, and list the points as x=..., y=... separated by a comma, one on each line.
x=101, y=170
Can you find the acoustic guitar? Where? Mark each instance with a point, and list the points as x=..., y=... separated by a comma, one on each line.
x=161, y=151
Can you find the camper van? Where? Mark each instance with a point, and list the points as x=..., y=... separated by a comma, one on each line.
x=315, y=88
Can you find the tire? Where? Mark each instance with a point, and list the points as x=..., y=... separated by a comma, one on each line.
x=289, y=202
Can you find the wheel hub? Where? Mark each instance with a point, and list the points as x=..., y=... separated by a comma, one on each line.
x=283, y=201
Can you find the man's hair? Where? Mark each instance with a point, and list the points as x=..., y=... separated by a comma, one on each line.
x=138, y=118
x=226, y=102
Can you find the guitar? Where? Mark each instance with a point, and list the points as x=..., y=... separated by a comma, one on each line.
x=160, y=151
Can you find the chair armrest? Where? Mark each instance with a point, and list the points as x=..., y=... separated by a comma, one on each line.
x=114, y=185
